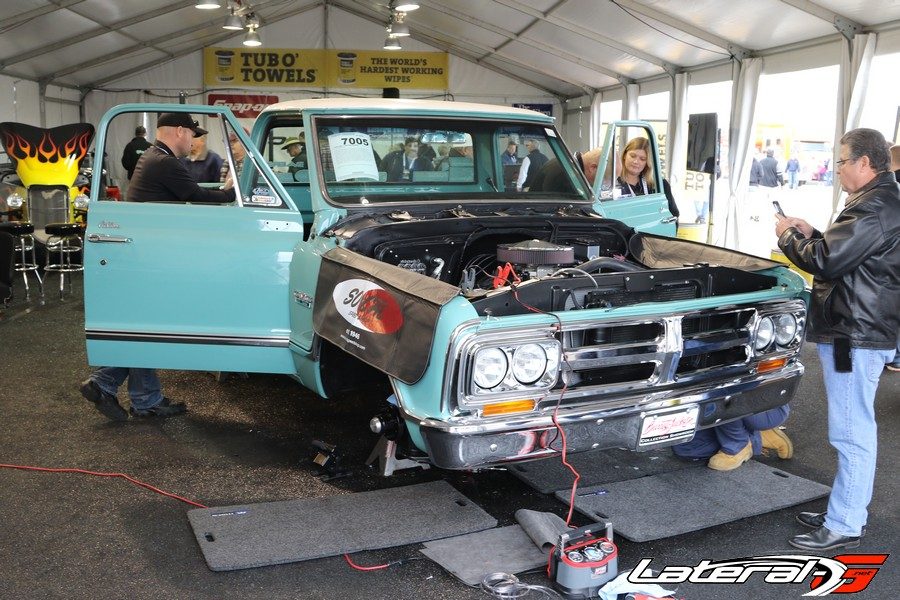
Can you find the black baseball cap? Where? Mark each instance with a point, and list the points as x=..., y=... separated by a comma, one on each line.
x=180, y=120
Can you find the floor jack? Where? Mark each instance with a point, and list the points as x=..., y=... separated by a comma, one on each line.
x=385, y=452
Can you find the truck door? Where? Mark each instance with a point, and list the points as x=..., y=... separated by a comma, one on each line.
x=629, y=184
x=191, y=286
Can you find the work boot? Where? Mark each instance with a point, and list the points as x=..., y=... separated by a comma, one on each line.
x=777, y=440
x=164, y=409
x=721, y=461
x=105, y=403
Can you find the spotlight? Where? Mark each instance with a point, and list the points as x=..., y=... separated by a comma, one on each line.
x=208, y=4
x=398, y=27
x=406, y=6
x=252, y=38
x=233, y=23
x=392, y=43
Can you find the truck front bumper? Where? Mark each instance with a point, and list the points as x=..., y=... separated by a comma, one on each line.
x=603, y=423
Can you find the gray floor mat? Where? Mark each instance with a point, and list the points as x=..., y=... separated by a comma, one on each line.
x=550, y=475
x=668, y=504
x=471, y=557
x=253, y=535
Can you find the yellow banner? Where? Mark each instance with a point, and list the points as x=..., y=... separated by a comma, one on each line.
x=279, y=67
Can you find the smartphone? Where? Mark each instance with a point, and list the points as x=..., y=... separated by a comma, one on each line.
x=778, y=207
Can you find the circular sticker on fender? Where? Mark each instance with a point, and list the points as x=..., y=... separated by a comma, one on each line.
x=367, y=305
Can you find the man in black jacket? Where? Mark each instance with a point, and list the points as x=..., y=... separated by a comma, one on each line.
x=134, y=149
x=159, y=177
x=854, y=318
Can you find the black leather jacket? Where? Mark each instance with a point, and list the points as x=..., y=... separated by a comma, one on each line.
x=856, y=265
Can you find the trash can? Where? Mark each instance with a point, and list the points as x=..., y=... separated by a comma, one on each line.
x=695, y=232
x=778, y=256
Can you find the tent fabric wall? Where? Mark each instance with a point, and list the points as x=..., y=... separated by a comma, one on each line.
x=740, y=157
x=856, y=61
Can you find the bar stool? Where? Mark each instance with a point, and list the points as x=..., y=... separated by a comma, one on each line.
x=25, y=261
x=63, y=242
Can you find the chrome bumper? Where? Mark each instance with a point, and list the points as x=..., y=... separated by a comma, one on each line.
x=590, y=426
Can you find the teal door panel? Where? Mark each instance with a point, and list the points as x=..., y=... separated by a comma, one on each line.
x=198, y=286
x=648, y=213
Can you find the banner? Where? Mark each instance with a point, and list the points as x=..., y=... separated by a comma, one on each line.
x=244, y=106
x=279, y=67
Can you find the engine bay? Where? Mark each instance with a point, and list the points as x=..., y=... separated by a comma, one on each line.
x=510, y=266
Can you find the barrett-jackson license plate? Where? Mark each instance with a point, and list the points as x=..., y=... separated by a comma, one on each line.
x=667, y=426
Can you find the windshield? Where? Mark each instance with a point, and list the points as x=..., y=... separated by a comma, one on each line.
x=367, y=160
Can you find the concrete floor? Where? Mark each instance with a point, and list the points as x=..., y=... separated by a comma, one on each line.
x=244, y=441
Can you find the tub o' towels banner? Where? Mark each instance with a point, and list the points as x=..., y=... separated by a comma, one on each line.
x=290, y=67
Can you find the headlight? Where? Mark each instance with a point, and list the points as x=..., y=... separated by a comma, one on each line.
x=81, y=201
x=489, y=368
x=14, y=200
x=529, y=363
x=785, y=329
x=765, y=331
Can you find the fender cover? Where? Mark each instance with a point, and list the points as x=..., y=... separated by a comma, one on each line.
x=659, y=252
x=383, y=315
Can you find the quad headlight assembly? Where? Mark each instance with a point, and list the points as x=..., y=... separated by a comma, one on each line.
x=779, y=329
x=496, y=368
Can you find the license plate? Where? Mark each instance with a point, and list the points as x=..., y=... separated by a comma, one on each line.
x=662, y=427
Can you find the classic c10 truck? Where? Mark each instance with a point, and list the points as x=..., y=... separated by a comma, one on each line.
x=397, y=246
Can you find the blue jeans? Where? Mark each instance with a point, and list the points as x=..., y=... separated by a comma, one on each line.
x=852, y=431
x=896, y=361
x=792, y=179
x=732, y=437
x=144, y=388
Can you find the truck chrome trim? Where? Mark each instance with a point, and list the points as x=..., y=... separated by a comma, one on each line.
x=186, y=338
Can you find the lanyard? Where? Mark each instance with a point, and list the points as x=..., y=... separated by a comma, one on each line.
x=631, y=189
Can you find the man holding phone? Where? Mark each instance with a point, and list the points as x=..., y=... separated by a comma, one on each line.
x=854, y=319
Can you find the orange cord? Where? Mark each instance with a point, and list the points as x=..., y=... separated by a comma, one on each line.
x=104, y=474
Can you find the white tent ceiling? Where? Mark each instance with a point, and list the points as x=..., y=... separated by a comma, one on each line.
x=565, y=47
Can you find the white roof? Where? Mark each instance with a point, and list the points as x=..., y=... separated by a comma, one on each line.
x=401, y=105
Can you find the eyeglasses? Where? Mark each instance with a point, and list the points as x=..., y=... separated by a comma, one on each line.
x=838, y=163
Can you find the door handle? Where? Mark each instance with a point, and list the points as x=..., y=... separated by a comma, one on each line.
x=118, y=239
x=669, y=220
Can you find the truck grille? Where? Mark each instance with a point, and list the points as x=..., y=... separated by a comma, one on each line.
x=656, y=352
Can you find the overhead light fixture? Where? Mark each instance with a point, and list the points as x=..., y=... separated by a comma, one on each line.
x=252, y=38
x=406, y=6
x=252, y=20
x=233, y=22
x=208, y=4
x=398, y=28
x=392, y=43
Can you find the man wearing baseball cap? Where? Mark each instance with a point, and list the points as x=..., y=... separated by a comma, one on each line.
x=158, y=177
x=161, y=177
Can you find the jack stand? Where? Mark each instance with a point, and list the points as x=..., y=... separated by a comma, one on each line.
x=385, y=452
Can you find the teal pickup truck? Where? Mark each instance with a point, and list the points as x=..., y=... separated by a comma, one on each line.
x=397, y=248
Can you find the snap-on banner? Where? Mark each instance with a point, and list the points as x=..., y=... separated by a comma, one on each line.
x=317, y=68
x=381, y=314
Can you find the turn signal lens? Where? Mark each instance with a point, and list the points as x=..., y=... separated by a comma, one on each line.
x=771, y=365
x=506, y=408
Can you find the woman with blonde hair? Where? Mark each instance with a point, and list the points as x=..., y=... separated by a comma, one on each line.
x=636, y=177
